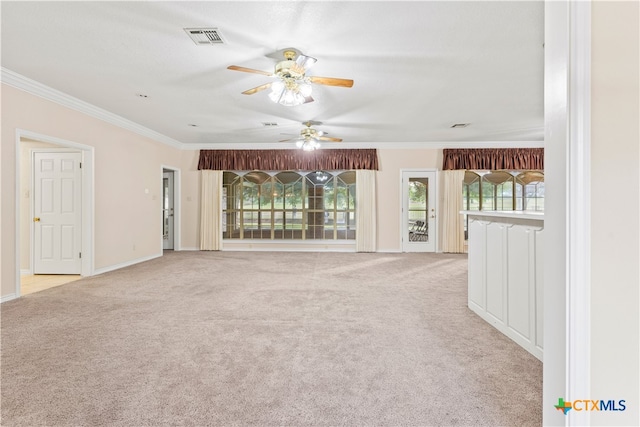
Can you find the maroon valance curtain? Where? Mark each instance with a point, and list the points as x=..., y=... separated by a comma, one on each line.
x=241, y=160
x=493, y=158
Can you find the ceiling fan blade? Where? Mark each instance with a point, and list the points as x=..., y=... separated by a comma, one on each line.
x=330, y=81
x=285, y=140
x=326, y=138
x=256, y=89
x=249, y=70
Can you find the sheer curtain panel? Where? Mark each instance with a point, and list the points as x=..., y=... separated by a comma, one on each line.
x=210, y=210
x=453, y=226
x=366, y=210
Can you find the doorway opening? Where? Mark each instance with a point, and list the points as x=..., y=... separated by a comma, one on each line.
x=54, y=207
x=419, y=211
x=170, y=208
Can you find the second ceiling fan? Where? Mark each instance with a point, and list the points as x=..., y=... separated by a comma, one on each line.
x=293, y=86
x=309, y=138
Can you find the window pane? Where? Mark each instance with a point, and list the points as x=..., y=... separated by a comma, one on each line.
x=250, y=196
x=231, y=202
x=266, y=194
x=293, y=195
x=471, y=200
x=278, y=195
x=488, y=192
x=519, y=197
x=504, y=196
x=250, y=220
x=329, y=194
x=418, y=201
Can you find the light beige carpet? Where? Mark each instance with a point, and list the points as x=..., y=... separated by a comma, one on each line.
x=264, y=339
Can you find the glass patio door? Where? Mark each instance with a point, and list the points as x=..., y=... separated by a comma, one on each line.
x=419, y=211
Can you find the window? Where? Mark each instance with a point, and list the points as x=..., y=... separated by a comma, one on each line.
x=289, y=205
x=502, y=191
x=530, y=191
x=497, y=191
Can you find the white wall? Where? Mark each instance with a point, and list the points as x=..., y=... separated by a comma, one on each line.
x=391, y=162
x=127, y=225
x=596, y=358
x=556, y=117
x=615, y=190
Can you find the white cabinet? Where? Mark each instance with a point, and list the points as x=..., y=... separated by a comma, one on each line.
x=505, y=274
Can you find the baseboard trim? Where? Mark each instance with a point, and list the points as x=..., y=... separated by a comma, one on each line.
x=289, y=246
x=8, y=298
x=125, y=264
x=187, y=249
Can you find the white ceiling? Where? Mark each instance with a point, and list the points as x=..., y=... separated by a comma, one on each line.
x=419, y=67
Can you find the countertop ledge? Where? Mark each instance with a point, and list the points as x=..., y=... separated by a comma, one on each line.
x=537, y=215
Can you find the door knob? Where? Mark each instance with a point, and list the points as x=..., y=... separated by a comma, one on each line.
x=36, y=219
x=433, y=216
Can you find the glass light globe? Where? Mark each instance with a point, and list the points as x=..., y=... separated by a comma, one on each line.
x=275, y=96
x=288, y=98
x=277, y=86
x=305, y=89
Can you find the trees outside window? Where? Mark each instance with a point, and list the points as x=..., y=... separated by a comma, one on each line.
x=289, y=205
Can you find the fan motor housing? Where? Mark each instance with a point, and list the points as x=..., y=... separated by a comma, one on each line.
x=289, y=70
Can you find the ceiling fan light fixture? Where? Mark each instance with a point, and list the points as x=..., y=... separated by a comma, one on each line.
x=289, y=93
x=292, y=75
x=304, y=89
x=276, y=95
x=308, y=144
x=311, y=145
x=305, y=61
x=289, y=98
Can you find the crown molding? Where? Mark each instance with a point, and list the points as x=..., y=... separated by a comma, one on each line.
x=33, y=87
x=378, y=145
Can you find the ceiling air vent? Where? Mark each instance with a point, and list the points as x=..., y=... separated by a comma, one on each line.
x=202, y=36
x=269, y=124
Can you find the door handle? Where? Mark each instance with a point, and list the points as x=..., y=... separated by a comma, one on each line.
x=36, y=219
x=433, y=216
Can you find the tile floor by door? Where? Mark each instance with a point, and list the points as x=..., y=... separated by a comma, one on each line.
x=39, y=282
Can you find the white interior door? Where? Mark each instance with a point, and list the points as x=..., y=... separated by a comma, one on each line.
x=167, y=210
x=419, y=222
x=57, y=212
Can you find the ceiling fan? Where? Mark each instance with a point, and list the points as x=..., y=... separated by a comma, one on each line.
x=293, y=86
x=309, y=138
